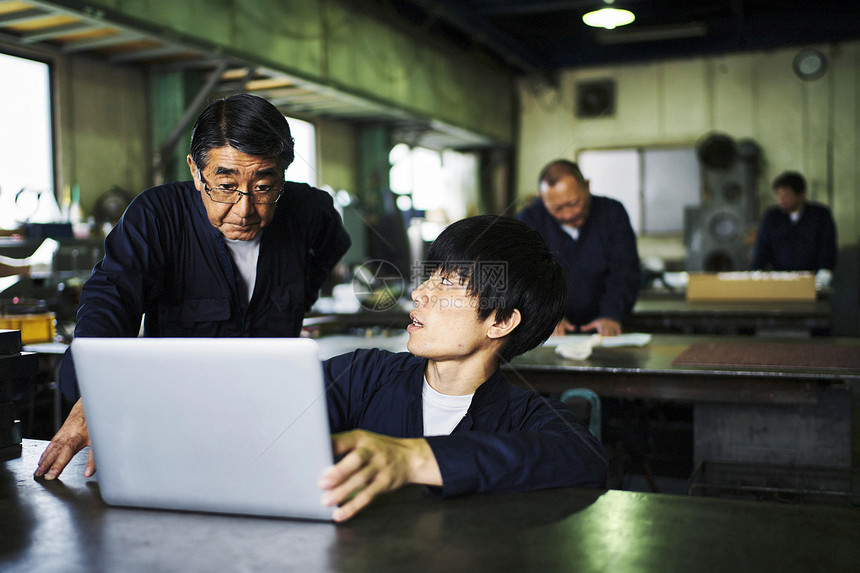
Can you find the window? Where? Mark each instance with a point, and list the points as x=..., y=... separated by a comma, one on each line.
x=653, y=184
x=438, y=187
x=304, y=167
x=26, y=147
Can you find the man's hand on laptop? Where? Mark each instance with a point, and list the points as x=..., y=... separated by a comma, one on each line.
x=374, y=464
x=72, y=437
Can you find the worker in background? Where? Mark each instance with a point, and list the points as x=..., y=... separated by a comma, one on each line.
x=235, y=252
x=795, y=234
x=596, y=245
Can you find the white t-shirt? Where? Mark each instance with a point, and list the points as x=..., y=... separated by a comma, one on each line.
x=442, y=412
x=572, y=231
x=245, y=255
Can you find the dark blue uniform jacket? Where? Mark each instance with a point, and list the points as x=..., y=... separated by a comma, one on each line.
x=808, y=245
x=511, y=439
x=164, y=259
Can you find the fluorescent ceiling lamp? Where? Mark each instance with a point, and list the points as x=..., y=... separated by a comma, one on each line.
x=652, y=33
x=608, y=18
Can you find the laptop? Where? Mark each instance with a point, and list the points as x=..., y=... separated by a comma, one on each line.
x=220, y=425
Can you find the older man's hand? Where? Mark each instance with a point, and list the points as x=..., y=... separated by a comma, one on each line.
x=71, y=438
x=603, y=326
x=563, y=327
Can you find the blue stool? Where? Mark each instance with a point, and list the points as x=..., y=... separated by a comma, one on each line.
x=593, y=400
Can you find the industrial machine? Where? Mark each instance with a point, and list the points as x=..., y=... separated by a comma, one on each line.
x=715, y=232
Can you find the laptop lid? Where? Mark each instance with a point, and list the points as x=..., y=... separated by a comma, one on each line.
x=207, y=424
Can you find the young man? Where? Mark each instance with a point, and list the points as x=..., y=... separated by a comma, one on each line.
x=443, y=414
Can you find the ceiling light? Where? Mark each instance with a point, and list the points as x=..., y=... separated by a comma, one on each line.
x=608, y=18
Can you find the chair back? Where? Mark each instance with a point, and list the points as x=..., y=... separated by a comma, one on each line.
x=579, y=397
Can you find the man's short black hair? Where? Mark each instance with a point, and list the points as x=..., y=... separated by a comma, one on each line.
x=245, y=122
x=557, y=169
x=506, y=265
x=791, y=179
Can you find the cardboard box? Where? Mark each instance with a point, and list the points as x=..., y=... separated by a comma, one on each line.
x=751, y=286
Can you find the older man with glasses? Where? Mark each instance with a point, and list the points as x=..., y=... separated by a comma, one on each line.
x=236, y=252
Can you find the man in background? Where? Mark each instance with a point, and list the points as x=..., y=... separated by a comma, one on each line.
x=795, y=234
x=596, y=246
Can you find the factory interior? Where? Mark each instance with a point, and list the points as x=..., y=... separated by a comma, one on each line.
x=732, y=385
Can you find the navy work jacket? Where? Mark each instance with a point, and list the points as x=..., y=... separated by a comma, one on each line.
x=164, y=260
x=808, y=245
x=511, y=439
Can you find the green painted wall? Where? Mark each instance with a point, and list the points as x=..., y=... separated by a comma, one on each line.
x=337, y=155
x=104, y=128
x=170, y=95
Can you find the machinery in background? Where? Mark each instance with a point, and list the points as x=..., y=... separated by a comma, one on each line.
x=715, y=232
x=109, y=207
x=17, y=368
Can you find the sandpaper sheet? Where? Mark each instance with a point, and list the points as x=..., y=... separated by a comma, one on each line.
x=771, y=355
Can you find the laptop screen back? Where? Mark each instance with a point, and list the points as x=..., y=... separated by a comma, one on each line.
x=207, y=424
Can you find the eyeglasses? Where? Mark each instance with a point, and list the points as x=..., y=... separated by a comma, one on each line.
x=260, y=195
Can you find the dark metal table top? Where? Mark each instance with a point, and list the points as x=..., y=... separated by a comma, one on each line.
x=65, y=526
x=677, y=315
x=657, y=357
x=649, y=372
x=683, y=307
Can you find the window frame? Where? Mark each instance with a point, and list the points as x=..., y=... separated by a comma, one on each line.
x=639, y=224
x=51, y=62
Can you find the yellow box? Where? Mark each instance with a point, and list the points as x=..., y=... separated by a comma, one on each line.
x=41, y=327
x=751, y=286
